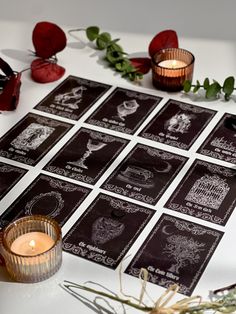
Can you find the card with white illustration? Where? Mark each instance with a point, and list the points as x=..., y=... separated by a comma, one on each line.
x=31, y=138
x=221, y=143
x=207, y=191
x=9, y=176
x=176, y=251
x=124, y=110
x=73, y=97
x=55, y=198
x=86, y=156
x=106, y=230
x=145, y=173
x=178, y=124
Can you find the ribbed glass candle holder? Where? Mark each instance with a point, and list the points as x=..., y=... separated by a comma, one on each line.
x=32, y=248
x=171, y=67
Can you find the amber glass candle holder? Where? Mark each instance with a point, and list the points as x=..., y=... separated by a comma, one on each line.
x=171, y=67
x=32, y=248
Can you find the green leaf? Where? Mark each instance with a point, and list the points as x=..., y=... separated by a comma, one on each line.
x=196, y=88
x=92, y=32
x=228, y=86
x=103, y=40
x=113, y=56
x=187, y=86
x=206, y=83
x=213, y=90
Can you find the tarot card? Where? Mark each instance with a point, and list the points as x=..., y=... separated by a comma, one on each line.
x=207, y=191
x=221, y=143
x=31, y=138
x=176, y=251
x=145, y=173
x=178, y=124
x=106, y=231
x=9, y=176
x=124, y=110
x=86, y=156
x=48, y=196
x=73, y=97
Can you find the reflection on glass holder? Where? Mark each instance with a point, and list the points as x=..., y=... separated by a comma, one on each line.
x=171, y=67
x=32, y=248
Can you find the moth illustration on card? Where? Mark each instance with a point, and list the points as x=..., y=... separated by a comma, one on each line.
x=178, y=124
x=176, y=251
x=145, y=173
x=31, y=138
x=48, y=196
x=206, y=192
x=221, y=143
x=73, y=97
x=124, y=110
x=86, y=156
x=106, y=230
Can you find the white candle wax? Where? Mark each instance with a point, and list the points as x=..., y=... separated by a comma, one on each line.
x=32, y=243
x=172, y=64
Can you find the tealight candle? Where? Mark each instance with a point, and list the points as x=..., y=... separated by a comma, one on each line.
x=171, y=67
x=32, y=248
x=32, y=243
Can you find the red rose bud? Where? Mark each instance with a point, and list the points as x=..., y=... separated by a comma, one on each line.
x=143, y=65
x=164, y=39
x=48, y=39
x=45, y=72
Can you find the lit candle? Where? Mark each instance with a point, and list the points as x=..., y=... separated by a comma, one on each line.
x=172, y=64
x=171, y=67
x=32, y=243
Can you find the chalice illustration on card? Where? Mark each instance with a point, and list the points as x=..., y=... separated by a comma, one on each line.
x=126, y=108
x=92, y=146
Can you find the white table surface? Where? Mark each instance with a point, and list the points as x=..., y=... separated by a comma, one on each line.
x=215, y=59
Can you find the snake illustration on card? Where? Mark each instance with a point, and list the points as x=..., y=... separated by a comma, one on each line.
x=48, y=196
x=106, y=230
x=176, y=251
x=73, y=97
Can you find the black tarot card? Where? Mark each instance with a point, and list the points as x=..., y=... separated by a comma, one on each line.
x=178, y=124
x=207, y=191
x=221, y=143
x=73, y=97
x=124, y=110
x=31, y=138
x=176, y=251
x=86, y=156
x=9, y=176
x=48, y=196
x=145, y=173
x=106, y=231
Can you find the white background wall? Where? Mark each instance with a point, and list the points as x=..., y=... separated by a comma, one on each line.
x=190, y=18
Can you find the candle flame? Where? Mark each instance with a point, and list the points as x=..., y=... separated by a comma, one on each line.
x=32, y=244
x=174, y=63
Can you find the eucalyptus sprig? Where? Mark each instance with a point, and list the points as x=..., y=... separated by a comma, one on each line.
x=114, y=53
x=214, y=89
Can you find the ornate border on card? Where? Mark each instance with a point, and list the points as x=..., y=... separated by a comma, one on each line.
x=7, y=168
x=181, y=225
x=115, y=203
x=160, y=139
x=109, y=126
x=216, y=155
x=68, y=174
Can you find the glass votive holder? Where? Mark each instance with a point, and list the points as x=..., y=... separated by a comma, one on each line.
x=32, y=248
x=171, y=67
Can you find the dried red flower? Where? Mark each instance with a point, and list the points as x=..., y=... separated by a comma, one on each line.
x=9, y=97
x=48, y=39
x=142, y=64
x=43, y=71
x=165, y=39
